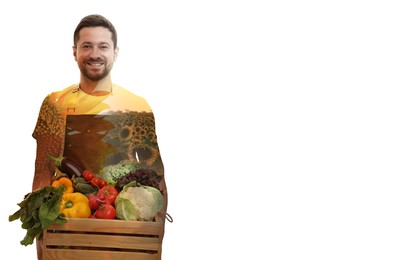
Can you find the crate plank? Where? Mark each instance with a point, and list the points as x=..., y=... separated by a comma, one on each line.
x=95, y=240
x=60, y=254
x=110, y=225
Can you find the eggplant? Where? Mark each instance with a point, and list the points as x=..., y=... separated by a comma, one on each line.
x=67, y=166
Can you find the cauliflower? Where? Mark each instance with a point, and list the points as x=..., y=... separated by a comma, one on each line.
x=112, y=173
x=138, y=202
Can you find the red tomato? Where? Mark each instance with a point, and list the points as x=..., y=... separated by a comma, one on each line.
x=88, y=175
x=102, y=183
x=105, y=211
x=107, y=194
x=98, y=182
x=95, y=182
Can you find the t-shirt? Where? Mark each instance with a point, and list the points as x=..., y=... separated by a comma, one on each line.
x=97, y=131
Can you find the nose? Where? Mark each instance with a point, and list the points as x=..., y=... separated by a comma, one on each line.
x=95, y=53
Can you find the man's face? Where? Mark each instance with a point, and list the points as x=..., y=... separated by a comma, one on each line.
x=95, y=53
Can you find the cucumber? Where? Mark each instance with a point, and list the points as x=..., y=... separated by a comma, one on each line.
x=85, y=188
x=78, y=180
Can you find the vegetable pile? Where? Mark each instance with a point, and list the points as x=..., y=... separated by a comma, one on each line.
x=123, y=191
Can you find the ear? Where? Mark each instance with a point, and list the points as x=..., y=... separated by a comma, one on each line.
x=116, y=53
x=75, y=53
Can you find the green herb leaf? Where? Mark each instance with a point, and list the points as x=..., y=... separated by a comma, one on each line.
x=38, y=210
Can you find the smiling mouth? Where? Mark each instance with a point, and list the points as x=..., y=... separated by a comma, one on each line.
x=95, y=64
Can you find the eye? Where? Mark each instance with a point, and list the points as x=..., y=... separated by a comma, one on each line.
x=104, y=47
x=86, y=46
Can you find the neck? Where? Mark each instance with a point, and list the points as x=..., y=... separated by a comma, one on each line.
x=96, y=88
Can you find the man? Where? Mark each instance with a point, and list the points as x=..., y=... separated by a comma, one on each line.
x=95, y=122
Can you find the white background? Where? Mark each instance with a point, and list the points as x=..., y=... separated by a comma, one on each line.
x=288, y=129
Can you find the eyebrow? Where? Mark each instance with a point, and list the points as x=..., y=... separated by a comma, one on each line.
x=92, y=43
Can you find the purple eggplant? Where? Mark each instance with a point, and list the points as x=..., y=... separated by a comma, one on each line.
x=67, y=166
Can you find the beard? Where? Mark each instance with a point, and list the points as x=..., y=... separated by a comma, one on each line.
x=95, y=75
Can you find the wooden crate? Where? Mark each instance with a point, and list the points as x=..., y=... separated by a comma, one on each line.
x=99, y=239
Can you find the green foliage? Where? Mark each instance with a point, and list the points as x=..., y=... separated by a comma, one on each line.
x=112, y=173
x=38, y=210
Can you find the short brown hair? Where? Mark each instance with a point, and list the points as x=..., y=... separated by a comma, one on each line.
x=95, y=20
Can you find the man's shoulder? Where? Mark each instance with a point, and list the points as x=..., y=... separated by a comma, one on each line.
x=64, y=90
x=129, y=100
x=56, y=94
x=119, y=90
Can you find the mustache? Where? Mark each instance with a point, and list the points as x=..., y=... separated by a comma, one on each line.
x=96, y=60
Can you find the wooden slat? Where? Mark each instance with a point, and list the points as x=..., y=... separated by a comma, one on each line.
x=110, y=225
x=61, y=254
x=110, y=241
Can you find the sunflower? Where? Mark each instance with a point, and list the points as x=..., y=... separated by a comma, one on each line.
x=143, y=132
x=125, y=133
x=151, y=136
x=143, y=153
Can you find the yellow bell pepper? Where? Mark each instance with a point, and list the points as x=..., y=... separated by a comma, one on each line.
x=66, y=182
x=75, y=205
